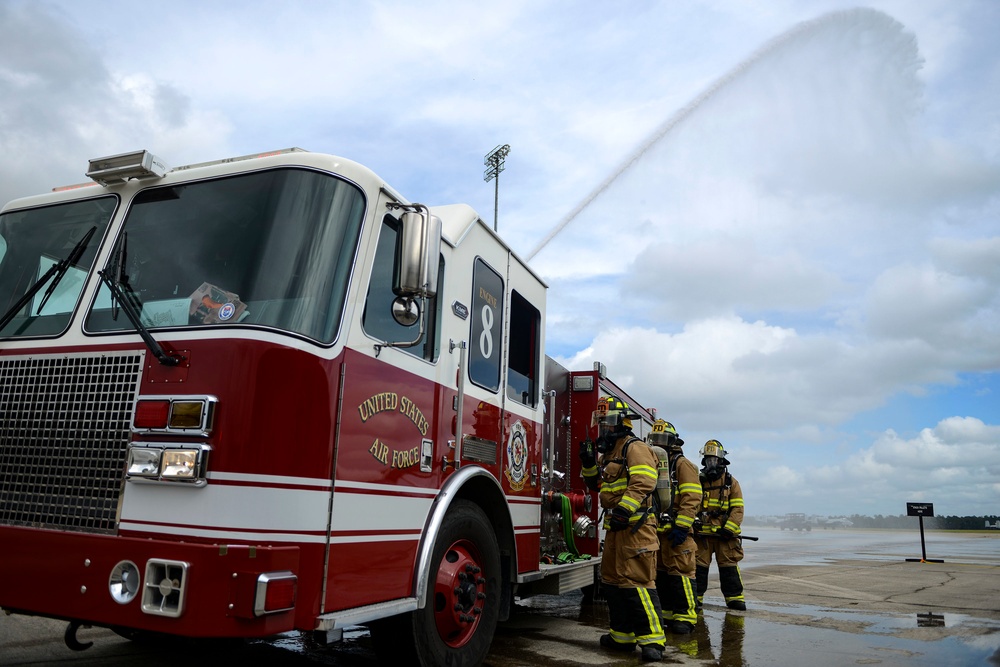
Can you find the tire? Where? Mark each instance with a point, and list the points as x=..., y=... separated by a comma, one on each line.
x=455, y=628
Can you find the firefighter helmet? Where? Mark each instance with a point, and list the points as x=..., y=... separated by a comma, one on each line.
x=713, y=460
x=664, y=435
x=613, y=419
x=714, y=448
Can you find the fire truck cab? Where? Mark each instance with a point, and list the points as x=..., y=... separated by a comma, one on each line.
x=269, y=393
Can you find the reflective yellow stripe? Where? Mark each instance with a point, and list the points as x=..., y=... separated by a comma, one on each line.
x=614, y=489
x=690, y=615
x=690, y=488
x=656, y=635
x=684, y=521
x=622, y=637
x=648, y=471
x=631, y=504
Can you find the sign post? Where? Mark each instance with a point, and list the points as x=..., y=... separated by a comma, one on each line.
x=921, y=510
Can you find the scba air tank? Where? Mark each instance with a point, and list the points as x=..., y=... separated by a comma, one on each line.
x=663, y=491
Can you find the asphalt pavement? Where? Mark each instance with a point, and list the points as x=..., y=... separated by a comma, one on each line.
x=819, y=598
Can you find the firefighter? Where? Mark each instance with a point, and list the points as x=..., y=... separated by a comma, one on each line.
x=625, y=476
x=676, y=564
x=718, y=527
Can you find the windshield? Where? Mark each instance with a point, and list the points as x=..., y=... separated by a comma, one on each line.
x=272, y=248
x=32, y=242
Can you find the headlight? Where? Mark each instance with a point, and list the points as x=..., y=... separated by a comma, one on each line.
x=180, y=463
x=167, y=463
x=144, y=461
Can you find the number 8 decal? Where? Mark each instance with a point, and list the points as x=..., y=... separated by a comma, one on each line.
x=486, y=338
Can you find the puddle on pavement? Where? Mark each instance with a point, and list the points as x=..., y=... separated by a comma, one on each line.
x=555, y=631
x=784, y=634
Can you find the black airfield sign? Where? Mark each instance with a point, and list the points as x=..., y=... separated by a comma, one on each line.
x=919, y=509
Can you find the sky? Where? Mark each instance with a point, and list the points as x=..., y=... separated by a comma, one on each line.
x=777, y=223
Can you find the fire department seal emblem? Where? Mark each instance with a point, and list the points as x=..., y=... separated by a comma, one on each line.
x=517, y=456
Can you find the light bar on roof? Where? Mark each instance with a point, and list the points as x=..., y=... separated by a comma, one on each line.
x=119, y=168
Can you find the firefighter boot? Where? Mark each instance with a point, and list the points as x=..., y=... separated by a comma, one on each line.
x=732, y=587
x=701, y=584
x=652, y=653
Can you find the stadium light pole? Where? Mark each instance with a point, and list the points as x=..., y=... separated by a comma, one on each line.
x=494, y=165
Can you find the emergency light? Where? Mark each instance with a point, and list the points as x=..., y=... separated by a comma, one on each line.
x=119, y=168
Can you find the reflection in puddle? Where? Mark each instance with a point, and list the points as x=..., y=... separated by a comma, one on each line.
x=930, y=620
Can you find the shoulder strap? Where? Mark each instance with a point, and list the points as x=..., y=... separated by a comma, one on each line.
x=625, y=454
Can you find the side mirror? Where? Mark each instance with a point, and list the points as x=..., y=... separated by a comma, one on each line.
x=417, y=254
x=405, y=310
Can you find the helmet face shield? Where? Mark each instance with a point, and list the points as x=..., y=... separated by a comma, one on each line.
x=661, y=439
x=605, y=425
x=608, y=426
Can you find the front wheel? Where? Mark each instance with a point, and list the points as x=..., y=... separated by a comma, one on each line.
x=457, y=623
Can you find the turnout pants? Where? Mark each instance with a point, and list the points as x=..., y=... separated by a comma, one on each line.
x=628, y=579
x=728, y=554
x=675, y=581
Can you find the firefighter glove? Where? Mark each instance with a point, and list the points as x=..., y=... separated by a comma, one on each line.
x=726, y=534
x=588, y=457
x=677, y=535
x=618, y=518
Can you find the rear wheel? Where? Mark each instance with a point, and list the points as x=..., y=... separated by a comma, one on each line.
x=457, y=623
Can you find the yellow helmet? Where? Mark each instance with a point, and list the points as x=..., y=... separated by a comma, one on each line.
x=612, y=415
x=664, y=435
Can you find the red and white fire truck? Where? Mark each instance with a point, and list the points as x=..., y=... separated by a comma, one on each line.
x=268, y=394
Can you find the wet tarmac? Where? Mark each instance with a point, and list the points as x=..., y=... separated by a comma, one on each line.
x=820, y=599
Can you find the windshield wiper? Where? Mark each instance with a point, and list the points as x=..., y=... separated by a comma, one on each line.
x=126, y=299
x=58, y=270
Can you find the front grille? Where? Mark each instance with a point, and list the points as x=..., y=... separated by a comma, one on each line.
x=64, y=431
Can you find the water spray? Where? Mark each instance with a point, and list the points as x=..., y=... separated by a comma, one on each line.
x=799, y=31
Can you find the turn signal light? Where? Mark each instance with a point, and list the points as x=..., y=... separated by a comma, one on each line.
x=275, y=592
x=151, y=414
x=175, y=414
x=186, y=414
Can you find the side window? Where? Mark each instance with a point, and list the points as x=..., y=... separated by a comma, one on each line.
x=487, y=326
x=522, y=362
x=377, y=319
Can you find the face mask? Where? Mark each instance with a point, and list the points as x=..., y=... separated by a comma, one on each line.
x=712, y=469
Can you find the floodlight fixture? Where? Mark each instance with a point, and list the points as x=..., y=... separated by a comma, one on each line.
x=494, y=162
x=119, y=168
